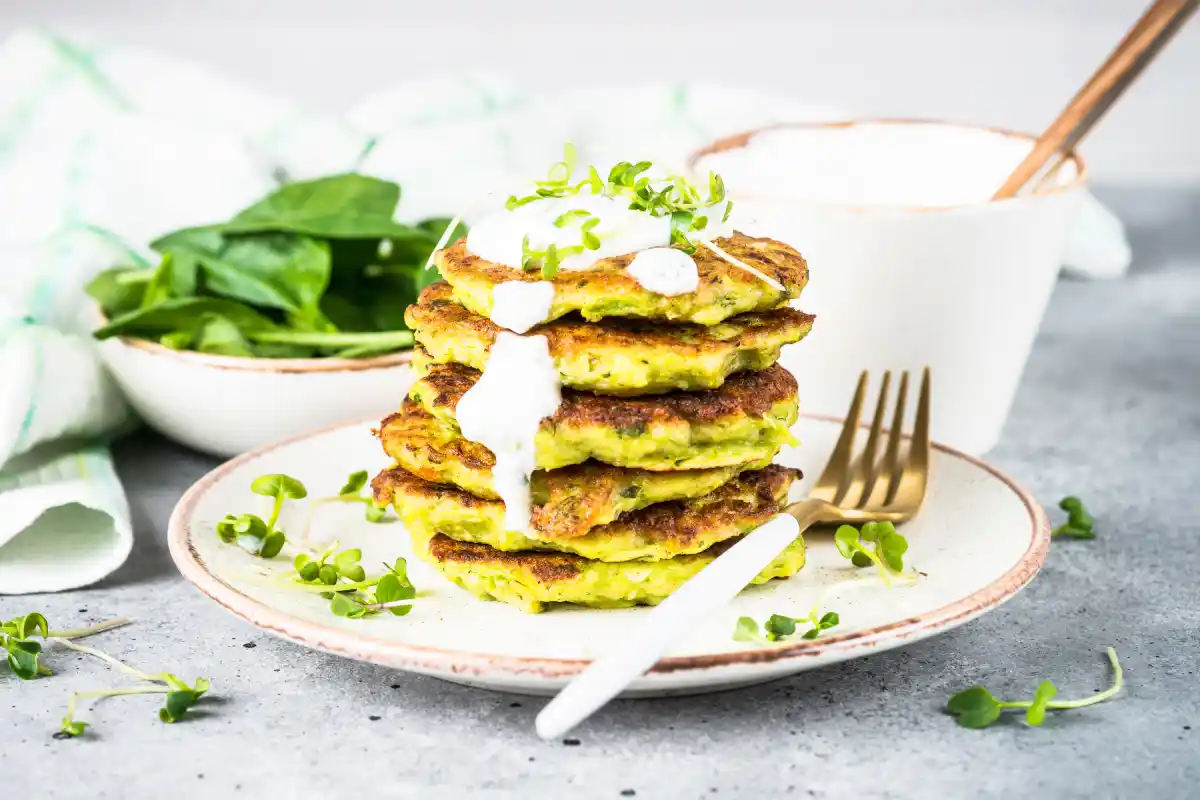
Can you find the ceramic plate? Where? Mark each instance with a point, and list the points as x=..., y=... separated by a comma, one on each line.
x=979, y=539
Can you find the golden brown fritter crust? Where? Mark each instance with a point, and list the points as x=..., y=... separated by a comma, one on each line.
x=569, y=501
x=749, y=394
x=619, y=356
x=607, y=289
x=545, y=567
x=743, y=503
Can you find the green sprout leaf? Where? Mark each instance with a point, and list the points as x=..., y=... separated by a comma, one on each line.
x=343, y=606
x=1079, y=525
x=846, y=540
x=355, y=483
x=73, y=728
x=974, y=707
x=778, y=626
x=977, y=708
x=181, y=698
x=23, y=659
x=829, y=620
x=886, y=551
x=1036, y=713
x=746, y=630
x=278, y=485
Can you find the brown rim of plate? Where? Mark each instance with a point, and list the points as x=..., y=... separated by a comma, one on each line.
x=279, y=365
x=739, y=140
x=437, y=660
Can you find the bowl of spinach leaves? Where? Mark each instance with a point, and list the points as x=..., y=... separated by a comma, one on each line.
x=287, y=316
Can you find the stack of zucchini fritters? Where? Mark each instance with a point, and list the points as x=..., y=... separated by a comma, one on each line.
x=659, y=456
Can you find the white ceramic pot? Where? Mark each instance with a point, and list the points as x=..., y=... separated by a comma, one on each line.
x=959, y=287
x=225, y=405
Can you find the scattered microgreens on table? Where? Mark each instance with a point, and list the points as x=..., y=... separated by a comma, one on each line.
x=1079, y=524
x=978, y=708
x=886, y=554
x=338, y=576
x=17, y=638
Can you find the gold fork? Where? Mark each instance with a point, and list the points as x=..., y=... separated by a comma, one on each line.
x=859, y=489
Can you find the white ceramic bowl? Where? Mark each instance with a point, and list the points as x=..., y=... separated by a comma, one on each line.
x=226, y=405
x=904, y=282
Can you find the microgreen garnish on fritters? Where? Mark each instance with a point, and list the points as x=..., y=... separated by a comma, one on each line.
x=977, y=707
x=1079, y=524
x=660, y=196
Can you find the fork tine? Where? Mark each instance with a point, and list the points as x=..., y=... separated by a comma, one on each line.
x=914, y=476
x=888, y=479
x=864, y=472
x=837, y=468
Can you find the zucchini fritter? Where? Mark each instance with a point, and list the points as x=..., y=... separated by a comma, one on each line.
x=532, y=580
x=567, y=502
x=606, y=289
x=745, y=420
x=622, y=357
x=656, y=532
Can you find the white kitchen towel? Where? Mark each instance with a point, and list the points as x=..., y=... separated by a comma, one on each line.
x=104, y=148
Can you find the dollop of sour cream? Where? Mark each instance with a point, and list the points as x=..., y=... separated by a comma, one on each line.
x=498, y=236
x=519, y=388
x=519, y=305
x=665, y=271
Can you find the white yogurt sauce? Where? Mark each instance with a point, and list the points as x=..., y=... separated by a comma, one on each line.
x=874, y=164
x=665, y=271
x=519, y=305
x=519, y=388
x=498, y=236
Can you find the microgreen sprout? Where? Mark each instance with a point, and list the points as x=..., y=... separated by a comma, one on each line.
x=1079, y=524
x=252, y=533
x=977, y=707
x=16, y=636
x=779, y=627
x=886, y=551
x=23, y=654
x=341, y=579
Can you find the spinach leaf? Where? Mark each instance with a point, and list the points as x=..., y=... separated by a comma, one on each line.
x=119, y=289
x=346, y=206
x=219, y=335
x=275, y=270
x=183, y=314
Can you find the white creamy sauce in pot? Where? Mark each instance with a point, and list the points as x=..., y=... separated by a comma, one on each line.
x=504, y=409
x=871, y=164
x=665, y=271
x=498, y=236
x=518, y=305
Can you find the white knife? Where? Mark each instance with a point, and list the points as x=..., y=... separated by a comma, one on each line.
x=670, y=621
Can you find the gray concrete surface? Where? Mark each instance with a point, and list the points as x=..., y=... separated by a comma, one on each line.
x=1109, y=409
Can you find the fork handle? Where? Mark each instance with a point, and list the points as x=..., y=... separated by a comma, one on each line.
x=674, y=618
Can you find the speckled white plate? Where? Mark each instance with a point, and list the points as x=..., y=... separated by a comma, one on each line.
x=980, y=538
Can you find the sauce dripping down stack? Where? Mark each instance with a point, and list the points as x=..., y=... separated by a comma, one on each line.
x=595, y=432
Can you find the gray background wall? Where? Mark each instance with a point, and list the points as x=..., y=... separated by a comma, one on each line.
x=1004, y=62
